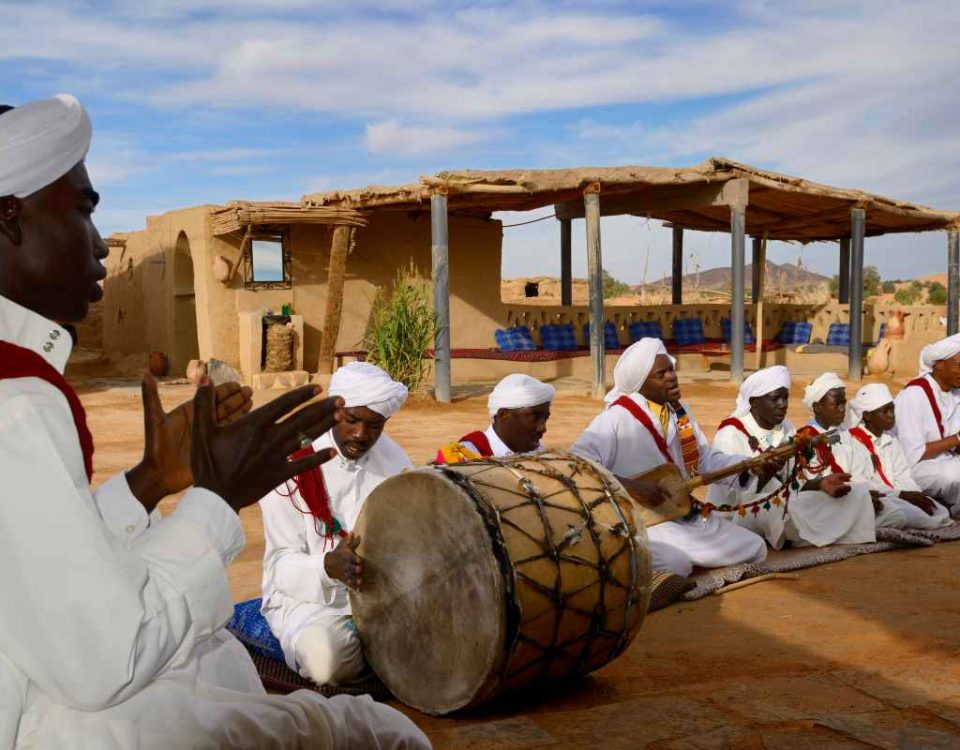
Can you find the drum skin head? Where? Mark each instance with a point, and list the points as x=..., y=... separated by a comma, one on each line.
x=431, y=610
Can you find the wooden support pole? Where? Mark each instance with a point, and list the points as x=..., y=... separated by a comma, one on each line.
x=738, y=251
x=440, y=250
x=858, y=225
x=953, y=280
x=760, y=277
x=677, y=277
x=843, y=288
x=566, y=262
x=756, y=271
x=591, y=207
x=339, y=249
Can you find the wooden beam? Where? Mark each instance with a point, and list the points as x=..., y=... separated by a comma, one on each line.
x=664, y=198
x=440, y=250
x=737, y=316
x=677, y=278
x=339, y=249
x=566, y=262
x=953, y=280
x=858, y=221
x=591, y=205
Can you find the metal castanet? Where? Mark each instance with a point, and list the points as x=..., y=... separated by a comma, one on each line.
x=677, y=488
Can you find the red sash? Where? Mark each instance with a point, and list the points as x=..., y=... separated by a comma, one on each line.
x=861, y=436
x=17, y=362
x=824, y=453
x=738, y=425
x=641, y=416
x=479, y=440
x=924, y=385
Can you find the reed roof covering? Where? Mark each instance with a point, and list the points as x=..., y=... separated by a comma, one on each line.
x=236, y=216
x=785, y=207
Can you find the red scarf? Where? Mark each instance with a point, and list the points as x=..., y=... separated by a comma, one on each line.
x=17, y=362
x=865, y=439
x=631, y=406
x=924, y=385
x=738, y=425
x=824, y=452
x=480, y=442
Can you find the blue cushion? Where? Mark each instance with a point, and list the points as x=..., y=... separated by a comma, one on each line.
x=688, y=331
x=727, y=332
x=516, y=339
x=252, y=630
x=795, y=333
x=610, y=338
x=645, y=329
x=838, y=334
x=558, y=337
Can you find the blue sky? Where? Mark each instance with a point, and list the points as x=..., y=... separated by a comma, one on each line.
x=203, y=101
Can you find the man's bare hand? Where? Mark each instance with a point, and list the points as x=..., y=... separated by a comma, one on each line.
x=924, y=503
x=648, y=494
x=835, y=485
x=343, y=563
x=768, y=468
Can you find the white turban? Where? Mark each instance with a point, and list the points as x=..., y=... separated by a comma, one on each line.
x=942, y=349
x=517, y=391
x=363, y=384
x=759, y=384
x=633, y=367
x=40, y=142
x=869, y=397
x=821, y=387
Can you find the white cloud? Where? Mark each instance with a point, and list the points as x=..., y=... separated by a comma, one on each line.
x=390, y=136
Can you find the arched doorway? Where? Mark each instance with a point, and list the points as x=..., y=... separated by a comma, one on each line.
x=185, y=346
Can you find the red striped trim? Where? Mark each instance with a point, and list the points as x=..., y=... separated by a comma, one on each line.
x=866, y=441
x=924, y=385
x=824, y=452
x=641, y=416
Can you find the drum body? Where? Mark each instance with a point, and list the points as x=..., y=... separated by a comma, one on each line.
x=488, y=576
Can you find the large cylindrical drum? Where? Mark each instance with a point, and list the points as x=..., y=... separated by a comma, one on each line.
x=488, y=576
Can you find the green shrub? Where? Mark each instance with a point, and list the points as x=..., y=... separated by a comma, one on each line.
x=889, y=287
x=936, y=294
x=402, y=329
x=907, y=296
x=614, y=287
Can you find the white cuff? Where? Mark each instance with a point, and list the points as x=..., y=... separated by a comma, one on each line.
x=219, y=522
x=122, y=513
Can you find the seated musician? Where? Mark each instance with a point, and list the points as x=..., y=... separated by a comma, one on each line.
x=826, y=397
x=644, y=425
x=928, y=422
x=885, y=468
x=309, y=560
x=519, y=408
x=820, y=511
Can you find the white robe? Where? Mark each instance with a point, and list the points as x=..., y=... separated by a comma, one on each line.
x=111, y=633
x=298, y=595
x=916, y=426
x=897, y=471
x=618, y=441
x=812, y=517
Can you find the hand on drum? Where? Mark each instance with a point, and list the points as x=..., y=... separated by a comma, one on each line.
x=343, y=563
x=649, y=494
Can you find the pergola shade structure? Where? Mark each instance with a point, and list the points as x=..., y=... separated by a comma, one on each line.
x=716, y=195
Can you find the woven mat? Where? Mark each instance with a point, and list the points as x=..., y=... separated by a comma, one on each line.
x=782, y=561
x=275, y=675
x=666, y=588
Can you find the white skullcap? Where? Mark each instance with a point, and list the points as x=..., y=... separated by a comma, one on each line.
x=517, y=391
x=761, y=383
x=40, y=142
x=869, y=397
x=363, y=384
x=821, y=387
x=633, y=367
x=942, y=349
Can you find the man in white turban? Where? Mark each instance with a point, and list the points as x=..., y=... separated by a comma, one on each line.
x=519, y=408
x=928, y=422
x=112, y=634
x=823, y=511
x=309, y=562
x=643, y=426
x=883, y=465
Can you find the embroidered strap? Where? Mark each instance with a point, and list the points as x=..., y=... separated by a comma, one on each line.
x=823, y=451
x=643, y=418
x=688, y=440
x=456, y=453
x=738, y=425
x=924, y=385
x=17, y=362
x=861, y=436
x=480, y=441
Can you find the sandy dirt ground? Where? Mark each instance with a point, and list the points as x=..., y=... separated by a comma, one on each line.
x=861, y=653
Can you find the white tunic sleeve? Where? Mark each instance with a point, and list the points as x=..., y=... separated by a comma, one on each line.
x=13, y=697
x=599, y=441
x=120, y=510
x=712, y=459
x=87, y=619
x=896, y=463
x=916, y=425
x=287, y=560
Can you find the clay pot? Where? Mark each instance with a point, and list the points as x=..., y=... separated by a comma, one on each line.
x=894, y=328
x=158, y=364
x=196, y=370
x=878, y=359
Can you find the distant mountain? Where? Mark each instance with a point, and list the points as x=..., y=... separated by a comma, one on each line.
x=720, y=278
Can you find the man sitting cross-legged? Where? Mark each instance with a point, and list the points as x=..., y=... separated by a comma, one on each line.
x=305, y=578
x=519, y=408
x=645, y=425
x=928, y=422
x=823, y=511
x=884, y=467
